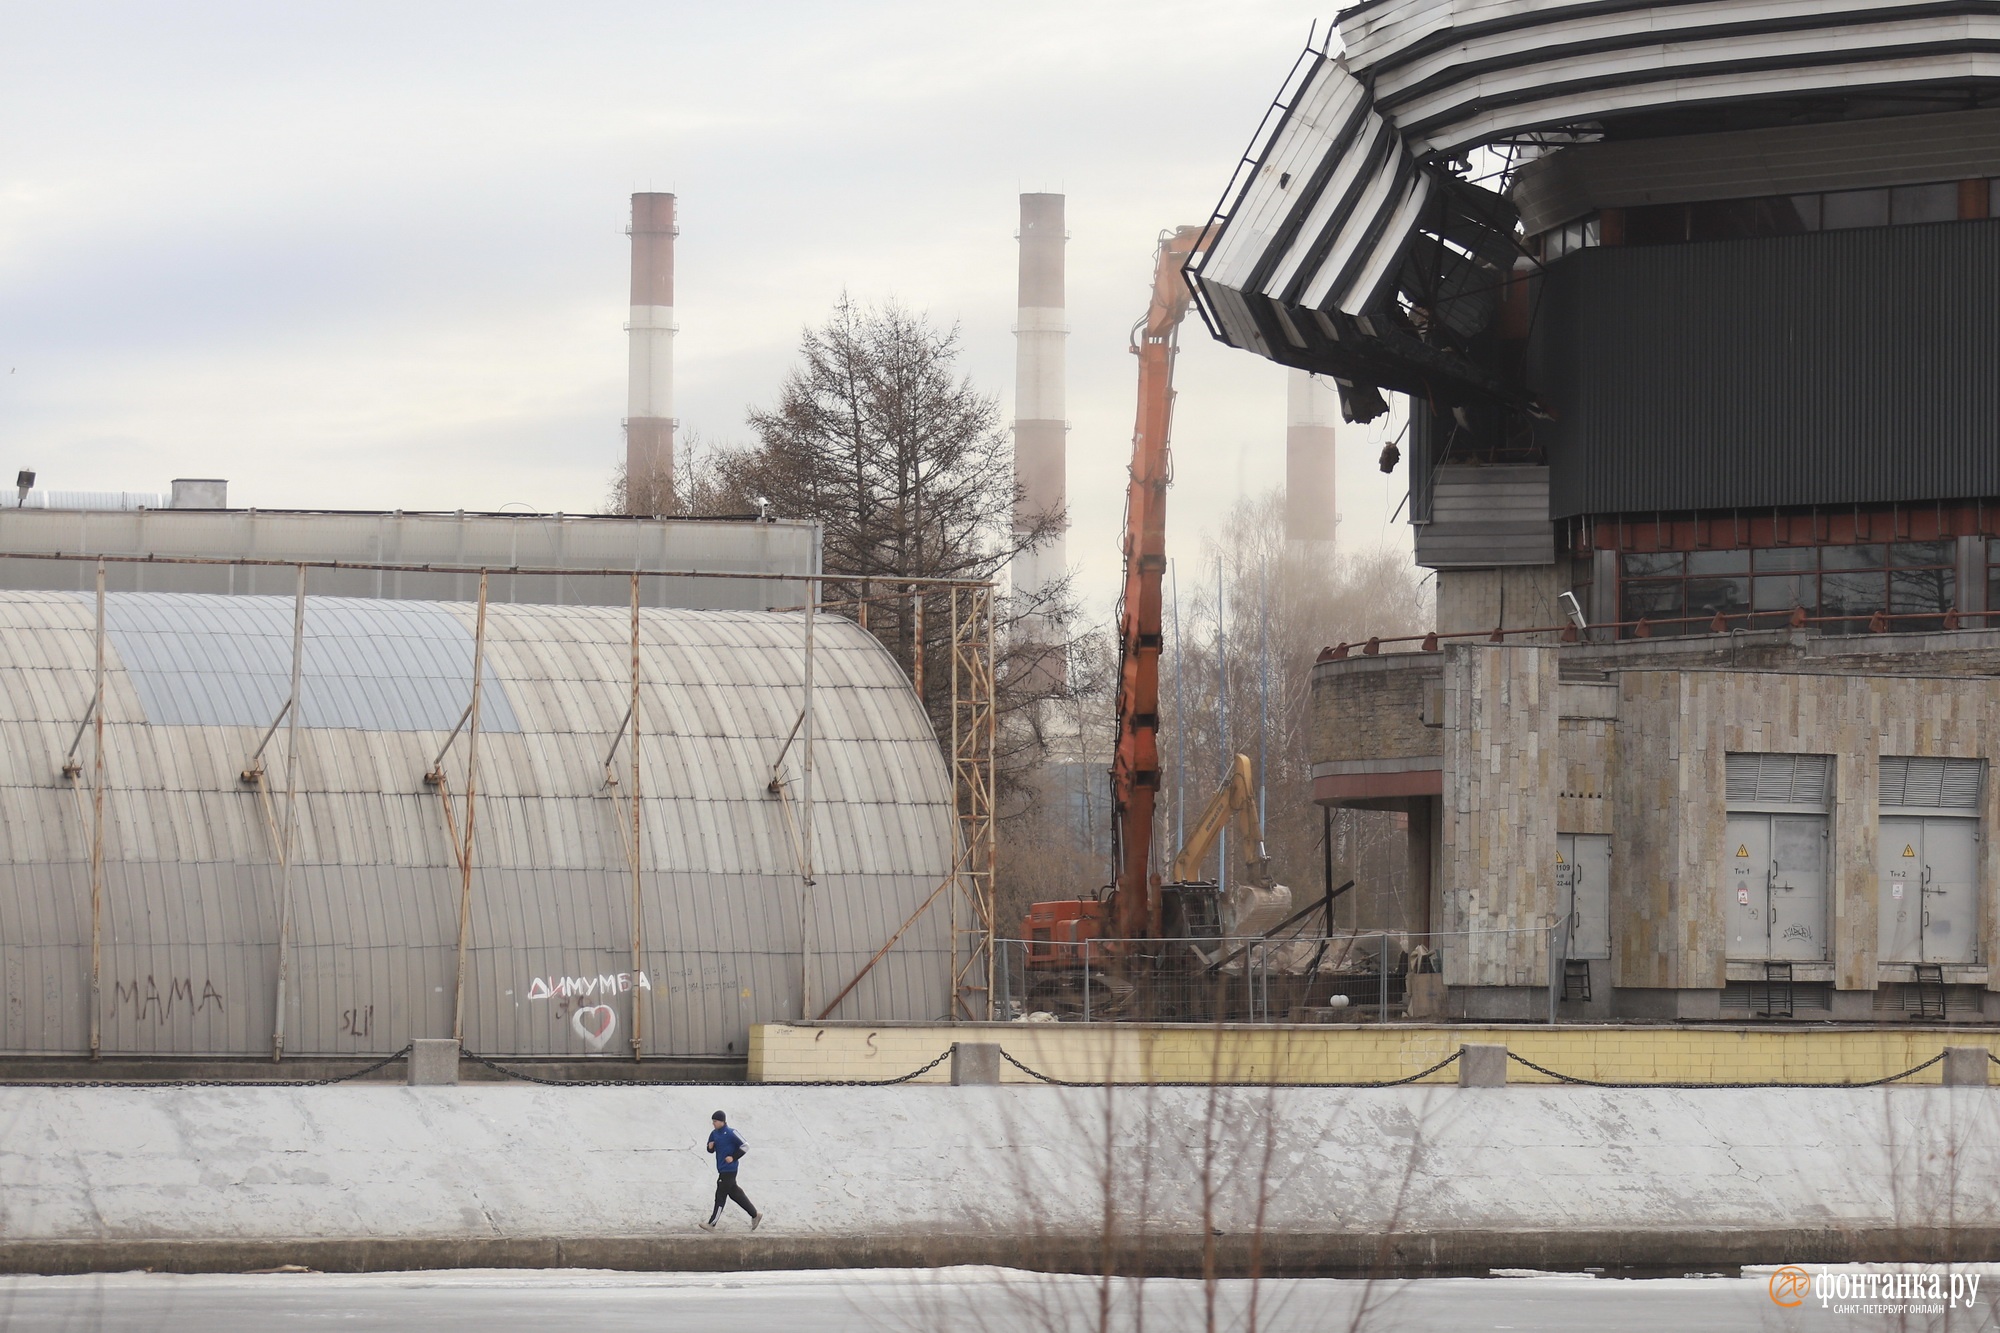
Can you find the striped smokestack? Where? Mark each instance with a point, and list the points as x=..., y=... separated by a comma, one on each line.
x=1312, y=408
x=1040, y=420
x=649, y=403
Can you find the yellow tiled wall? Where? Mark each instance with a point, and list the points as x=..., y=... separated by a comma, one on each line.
x=789, y=1053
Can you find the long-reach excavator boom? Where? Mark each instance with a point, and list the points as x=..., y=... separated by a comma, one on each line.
x=1135, y=765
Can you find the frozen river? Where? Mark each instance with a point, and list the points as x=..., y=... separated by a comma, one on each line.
x=986, y=1300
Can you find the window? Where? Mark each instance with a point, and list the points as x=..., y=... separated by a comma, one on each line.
x=1993, y=582
x=1914, y=583
x=1923, y=203
x=1789, y=215
x=1854, y=208
x=1572, y=236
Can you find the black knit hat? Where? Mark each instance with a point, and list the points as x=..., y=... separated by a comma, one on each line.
x=720, y=1116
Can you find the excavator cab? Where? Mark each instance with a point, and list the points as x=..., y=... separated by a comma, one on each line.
x=1055, y=931
x=1192, y=911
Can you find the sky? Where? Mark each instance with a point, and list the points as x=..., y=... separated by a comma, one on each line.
x=372, y=256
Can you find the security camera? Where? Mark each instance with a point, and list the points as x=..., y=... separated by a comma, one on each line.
x=763, y=509
x=1573, y=609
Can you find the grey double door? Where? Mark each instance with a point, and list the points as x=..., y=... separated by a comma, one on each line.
x=1775, y=876
x=1583, y=885
x=1929, y=911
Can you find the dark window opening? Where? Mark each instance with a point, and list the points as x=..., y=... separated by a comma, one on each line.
x=1840, y=588
x=1781, y=215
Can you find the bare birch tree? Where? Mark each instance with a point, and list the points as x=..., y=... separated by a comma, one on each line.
x=1236, y=678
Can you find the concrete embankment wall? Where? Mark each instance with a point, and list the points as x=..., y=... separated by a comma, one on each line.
x=1412, y=1179
x=1320, y=1053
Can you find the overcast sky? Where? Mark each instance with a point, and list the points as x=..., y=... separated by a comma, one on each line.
x=372, y=256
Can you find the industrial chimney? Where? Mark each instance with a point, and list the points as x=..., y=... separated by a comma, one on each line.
x=1040, y=425
x=1312, y=408
x=649, y=406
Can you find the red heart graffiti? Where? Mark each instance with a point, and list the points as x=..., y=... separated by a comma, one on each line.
x=599, y=1035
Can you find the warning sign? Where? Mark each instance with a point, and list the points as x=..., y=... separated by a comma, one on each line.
x=1743, y=895
x=1909, y=850
x=1742, y=849
x=1559, y=859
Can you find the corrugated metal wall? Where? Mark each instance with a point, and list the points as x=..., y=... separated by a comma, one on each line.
x=1839, y=367
x=192, y=872
x=1484, y=517
x=499, y=541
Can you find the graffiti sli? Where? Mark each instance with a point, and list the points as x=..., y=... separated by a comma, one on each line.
x=146, y=999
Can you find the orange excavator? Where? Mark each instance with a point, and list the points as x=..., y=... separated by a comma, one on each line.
x=1135, y=764
x=1132, y=910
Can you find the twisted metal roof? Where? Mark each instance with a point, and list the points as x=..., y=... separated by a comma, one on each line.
x=1347, y=199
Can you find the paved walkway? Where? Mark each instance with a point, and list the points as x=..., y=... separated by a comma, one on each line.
x=993, y=1301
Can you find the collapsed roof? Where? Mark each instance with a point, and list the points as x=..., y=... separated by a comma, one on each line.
x=1353, y=241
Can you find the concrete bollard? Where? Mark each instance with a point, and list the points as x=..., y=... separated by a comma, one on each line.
x=1482, y=1066
x=433, y=1062
x=1966, y=1067
x=975, y=1064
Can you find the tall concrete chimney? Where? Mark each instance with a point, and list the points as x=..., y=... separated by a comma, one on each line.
x=1040, y=417
x=649, y=400
x=1312, y=408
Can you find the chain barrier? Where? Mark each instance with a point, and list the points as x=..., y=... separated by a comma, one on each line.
x=787, y=1083
x=866, y=1082
x=1607, y=1083
x=1206, y=1083
x=926, y=1068
x=362, y=1072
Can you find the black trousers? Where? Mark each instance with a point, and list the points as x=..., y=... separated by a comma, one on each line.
x=726, y=1189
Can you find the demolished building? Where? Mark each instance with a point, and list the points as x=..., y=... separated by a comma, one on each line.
x=1696, y=309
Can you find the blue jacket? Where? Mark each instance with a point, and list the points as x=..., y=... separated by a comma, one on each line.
x=726, y=1144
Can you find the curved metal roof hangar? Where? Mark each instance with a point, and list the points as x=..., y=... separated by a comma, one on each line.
x=729, y=929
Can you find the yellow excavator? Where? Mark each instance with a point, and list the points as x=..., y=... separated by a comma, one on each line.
x=1195, y=968
x=1254, y=903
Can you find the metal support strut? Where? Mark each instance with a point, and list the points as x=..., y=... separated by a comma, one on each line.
x=471, y=784
x=288, y=846
x=97, y=835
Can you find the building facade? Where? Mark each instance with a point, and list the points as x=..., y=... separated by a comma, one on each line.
x=1695, y=313
x=1773, y=823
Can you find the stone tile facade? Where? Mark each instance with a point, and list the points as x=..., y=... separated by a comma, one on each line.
x=1629, y=740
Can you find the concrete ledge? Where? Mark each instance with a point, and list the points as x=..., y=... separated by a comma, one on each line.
x=1258, y=1055
x=1276, y=1254
x=304, y=1069
x=373, y=1177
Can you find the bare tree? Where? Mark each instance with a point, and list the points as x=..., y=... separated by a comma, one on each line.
x=1236, y=677
x=1254, y=611
x=908, y=469
x=694, y=487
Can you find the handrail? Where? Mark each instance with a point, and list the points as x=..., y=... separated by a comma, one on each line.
x=514, y=570
x=1720, y=623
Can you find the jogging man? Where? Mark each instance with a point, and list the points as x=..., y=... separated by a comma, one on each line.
x=728, y=1147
